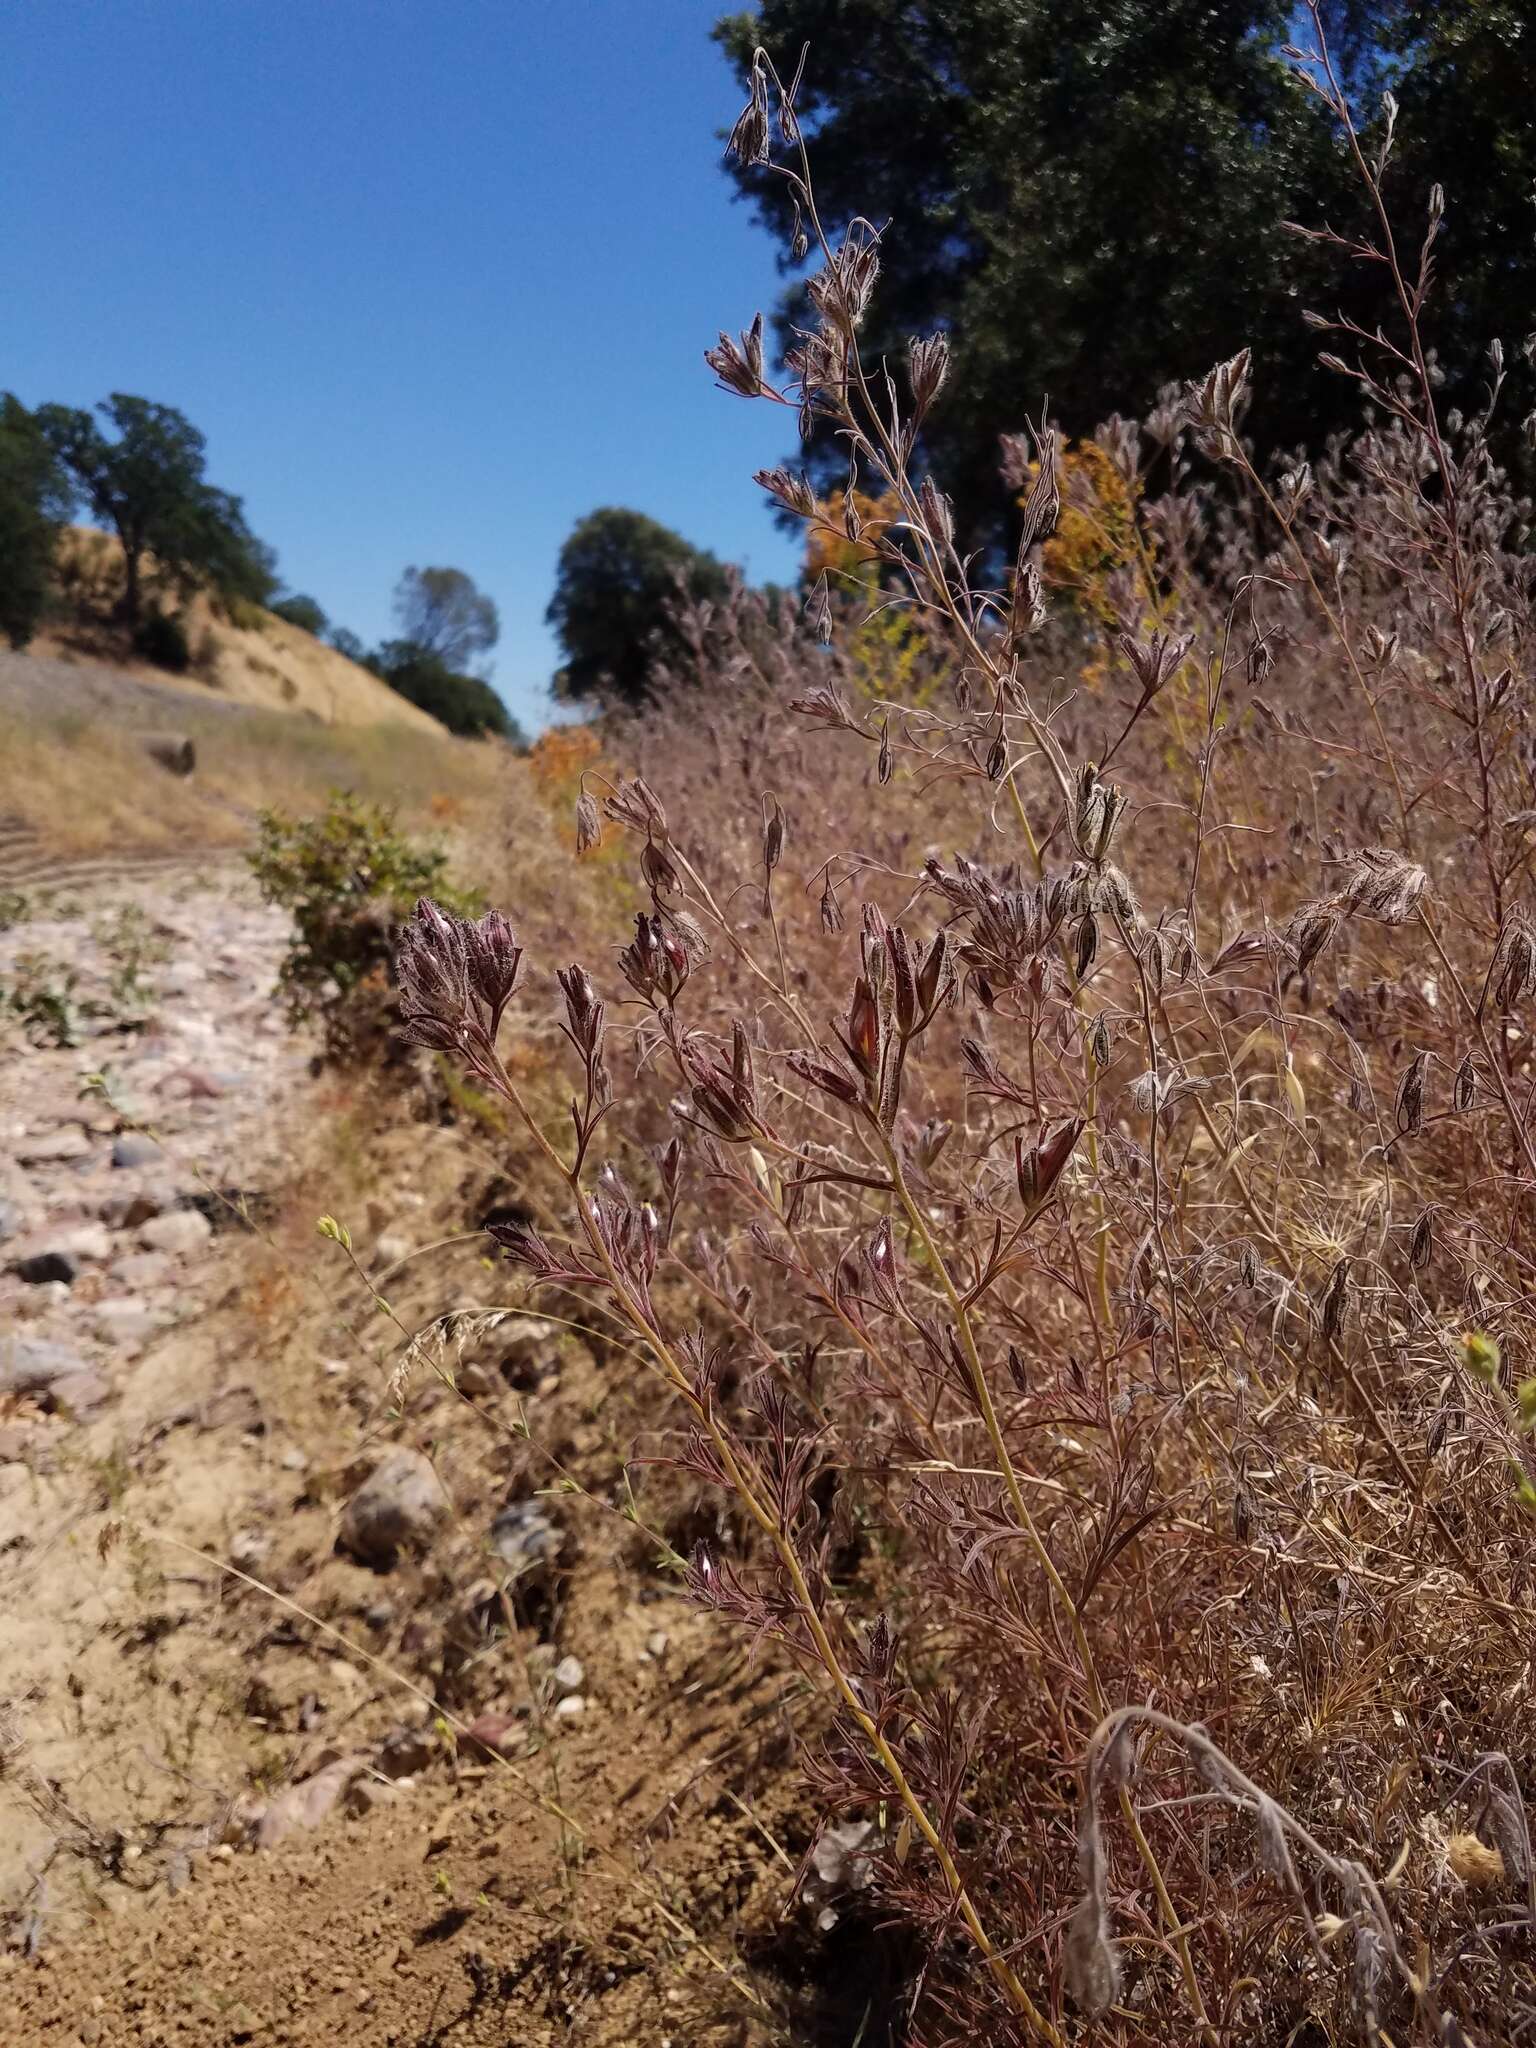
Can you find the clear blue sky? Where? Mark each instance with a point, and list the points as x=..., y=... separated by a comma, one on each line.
x=433, y=276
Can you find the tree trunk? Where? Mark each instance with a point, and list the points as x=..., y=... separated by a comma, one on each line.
x=131, y=585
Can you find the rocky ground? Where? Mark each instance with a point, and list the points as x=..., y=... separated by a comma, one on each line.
x=344, y=1689
x=149, y=1079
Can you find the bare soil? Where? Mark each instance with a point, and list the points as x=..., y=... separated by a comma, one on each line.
x=258, y=1791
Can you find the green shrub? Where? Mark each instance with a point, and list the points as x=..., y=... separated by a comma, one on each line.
x=162, y=639
x=349, y=879
x=302, y=612
x=464, y=704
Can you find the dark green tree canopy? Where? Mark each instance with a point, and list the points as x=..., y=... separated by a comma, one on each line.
x=346, y=642
x=442, y=612
x=1090, y=195
x=467, y=705
x=146, y=481
x=34, y=502
x=301, y=611
x=619, y=576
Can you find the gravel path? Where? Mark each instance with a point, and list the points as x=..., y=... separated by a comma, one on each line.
x=163, y=985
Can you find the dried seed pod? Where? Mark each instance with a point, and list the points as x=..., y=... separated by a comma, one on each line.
x=832, y=920
x=1155, y=660
x=1087, y=945
x=819, y=609
x=1464, y=1089
x=583, y=1010
x=1408, y=1105
x=1099, y=1042
x=1042, y=504
x=791, y=489
x=864, y=1028
x=831, y=1080
x=661, y=878
x=1038, y=1167
x=936, y=975
x=938, y=512
x=1383, y=885
x=1310, y=930
x=1026, y=613
x=928, y=367
x=1335, y=1302
x=773, y=835
x=1512, y=974
x=738, y=364
x=589, y=824
x=1421, y=1247
x=748, y=140
x=883, y=765
x=1215, y=407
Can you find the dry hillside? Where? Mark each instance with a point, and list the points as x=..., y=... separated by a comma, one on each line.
x=273, y=665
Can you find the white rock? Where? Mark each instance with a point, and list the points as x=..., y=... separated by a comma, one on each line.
x=568, y=1675
x=400, y=1507
x=89, y=1241
x=182, y=1230
x=570, y=1707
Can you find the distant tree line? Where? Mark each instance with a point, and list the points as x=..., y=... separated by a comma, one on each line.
x=446, y=624
x=1091, y=198
x=138, y=469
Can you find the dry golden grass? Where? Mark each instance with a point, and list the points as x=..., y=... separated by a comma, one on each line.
x=273, y=665
x=88, y=788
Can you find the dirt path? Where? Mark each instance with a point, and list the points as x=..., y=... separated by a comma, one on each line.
x=496, y=1783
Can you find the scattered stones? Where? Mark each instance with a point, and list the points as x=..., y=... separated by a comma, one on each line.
x=248, y=1549
x=570, y=1707
x=525, y=1351
x=525, y=1538
x=28, y=1365
x=40, y=1267
x=365, y=1793
x=401, y=1507
x=142, y=1269
x=389, y=1250
x=180, y=1231
x=306, y=1804
x=125, y=1322
x=656, y=1644
x=407, y=1753
x=128, y=1211
x=89, y=1241
x=53, y=1147
x=569, y=1675
x=11, y=1220
x=133, y=1148
x=492, y=1735
x=841, y=1862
